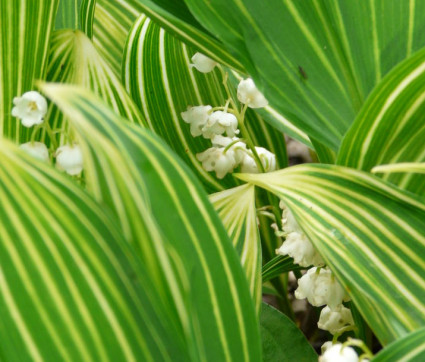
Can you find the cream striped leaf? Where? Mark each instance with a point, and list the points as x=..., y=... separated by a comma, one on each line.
x=165, y=213
x=390, y=127
x=112, y=23
x=316, y=60
x=174, y=17
x=25, y=27
x=76, y=14
x=410, y=348
x=236, y=208
x=74, y=59
x=158, y=76
x=371, y=233
x=404, y=167
x=71, y=288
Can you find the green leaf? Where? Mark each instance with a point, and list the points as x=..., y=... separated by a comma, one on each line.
x=389, y=128
x=408, y=348
x=282, y=339
x=70, y=286
x=25, y=28
x=166, y=215
x=173, y=17
x=369, y=232
x=74, y=59
x=278, y=265
x=158, y=75
x=403, y=167
x=76, y=15
x=236, y=208
x=112, y=23
x=316, y=60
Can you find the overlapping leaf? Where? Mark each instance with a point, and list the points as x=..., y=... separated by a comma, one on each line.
x=370, y=233
x=25, y=28
x=409, y=348
x=236, y=208
x=164, y=212
x=278, y=265
x=282, y=339
x=317, y=60
x=70, y=286
x=390, y=127
x=74, y=59
x=158, y=76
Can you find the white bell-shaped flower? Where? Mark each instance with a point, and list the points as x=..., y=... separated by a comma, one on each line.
x=70, y=159
x=197, y=117
x=321, y=288
x=298, y=246
x=338, y=353
x=202, y=63
x=30, y=108
x=218, y=160
x=334, y=320
x=238, y=147
x=36, y=149
x=220, y=122
x=289, y=223
x=267, y=159
x=249, y=94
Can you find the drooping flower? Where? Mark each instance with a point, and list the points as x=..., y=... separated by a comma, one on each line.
x=30, y=108
x=238, y=147
x=289, y=223
x=70, y=159
x=218, y=160
x=298, y=246
x=36, y=149
x=220, y=122
x=202, y=63
x=335, y=320
x=338, y=353
x=249, y=94
x=197, y=117
x=321, y=288
x=267, y=159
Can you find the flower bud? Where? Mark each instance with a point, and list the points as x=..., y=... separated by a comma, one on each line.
x=69, y=159
x=338, y=353
x=249, y=94
x=37, y=150
x=335, y=320
x=202, y=63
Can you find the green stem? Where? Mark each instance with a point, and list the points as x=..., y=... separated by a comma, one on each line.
x=34, y=132
x=51, y=134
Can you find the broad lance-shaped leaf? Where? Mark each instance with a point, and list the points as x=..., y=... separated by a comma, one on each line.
x=408, y=348
x=112, y=23
x=74, y=59
x=390, y=127
x=370, y=233
x=76, y=15
x=25, y=28
x=166, y=215
x=174, y=17
x=71, y=288
x=282, y=340
x=158, y=75
x=316, y=61
x=236, y=208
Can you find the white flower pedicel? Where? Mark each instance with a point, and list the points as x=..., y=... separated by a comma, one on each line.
x=30, y=108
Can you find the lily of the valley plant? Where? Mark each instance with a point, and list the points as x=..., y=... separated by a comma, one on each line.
x=152, y=206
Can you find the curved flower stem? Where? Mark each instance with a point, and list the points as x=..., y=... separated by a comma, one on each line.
x=34, y=132
x=51, y=134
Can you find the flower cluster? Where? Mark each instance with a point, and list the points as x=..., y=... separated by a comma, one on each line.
x=319, y=286
x=220, y=125
x=31, y=108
